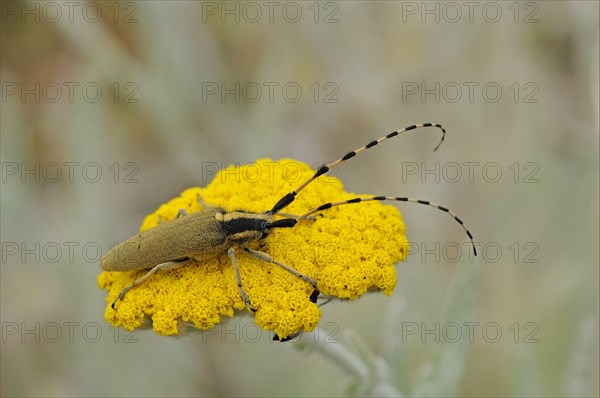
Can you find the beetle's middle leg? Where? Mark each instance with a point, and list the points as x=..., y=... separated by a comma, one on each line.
x=238, y=279
x=141, y=279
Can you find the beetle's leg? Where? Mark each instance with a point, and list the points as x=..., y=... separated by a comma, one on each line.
x=162, y=266
x=180, y=213
x=202, y=202
x=265, y=257
x=327, y=301
x=238, y=279
x=290, y=337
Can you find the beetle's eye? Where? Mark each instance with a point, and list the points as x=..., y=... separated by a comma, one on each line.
x=264, y=228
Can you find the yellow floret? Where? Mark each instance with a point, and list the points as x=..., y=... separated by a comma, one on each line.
x=347, y=250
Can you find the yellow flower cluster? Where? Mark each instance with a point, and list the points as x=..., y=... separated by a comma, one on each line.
x=347, y=250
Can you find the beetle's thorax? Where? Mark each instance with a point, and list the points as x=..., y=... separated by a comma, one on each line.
x=242, y=227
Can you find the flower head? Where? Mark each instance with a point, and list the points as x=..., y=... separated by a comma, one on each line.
x=347, y=251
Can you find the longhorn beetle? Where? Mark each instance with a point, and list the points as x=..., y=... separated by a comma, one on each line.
x=212, y=231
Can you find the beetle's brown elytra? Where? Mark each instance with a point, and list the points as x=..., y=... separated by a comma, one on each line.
x=211, y=231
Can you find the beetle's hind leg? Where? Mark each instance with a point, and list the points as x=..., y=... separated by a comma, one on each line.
x=140, y=280
x=314, y=295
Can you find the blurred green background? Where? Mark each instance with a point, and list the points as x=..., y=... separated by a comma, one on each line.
x=110, y=109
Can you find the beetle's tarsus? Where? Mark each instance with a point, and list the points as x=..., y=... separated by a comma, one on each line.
x=314, y=296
